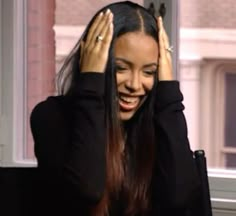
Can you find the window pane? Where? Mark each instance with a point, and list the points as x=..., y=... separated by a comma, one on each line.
x=230, y=160
x=230, y=110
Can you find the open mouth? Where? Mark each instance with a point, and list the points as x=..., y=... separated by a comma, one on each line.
x=128, y=103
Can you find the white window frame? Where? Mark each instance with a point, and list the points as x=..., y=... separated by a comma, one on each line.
x=14, y=69
x=1, y=68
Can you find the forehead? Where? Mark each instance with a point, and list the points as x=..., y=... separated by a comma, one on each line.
x=136, y=46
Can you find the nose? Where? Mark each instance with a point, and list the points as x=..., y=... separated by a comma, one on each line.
x=134, y=81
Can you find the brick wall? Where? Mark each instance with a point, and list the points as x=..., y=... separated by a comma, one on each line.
x=79, y=12
x=208, y=13
x=41, y=57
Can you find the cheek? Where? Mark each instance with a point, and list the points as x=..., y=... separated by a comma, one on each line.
x=149, y=83
x=119, y=79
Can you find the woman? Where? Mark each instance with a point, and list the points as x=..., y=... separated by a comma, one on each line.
x=115, y=141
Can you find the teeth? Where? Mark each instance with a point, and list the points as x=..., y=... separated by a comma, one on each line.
x=128, y=99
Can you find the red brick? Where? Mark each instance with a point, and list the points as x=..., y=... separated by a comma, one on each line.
x=34, y=71
x=207, y=14
x=79, y=12
x=40, y=58
x=34, y=54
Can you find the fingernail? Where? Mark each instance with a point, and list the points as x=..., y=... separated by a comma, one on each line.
x=108, y=11
x=110, y=16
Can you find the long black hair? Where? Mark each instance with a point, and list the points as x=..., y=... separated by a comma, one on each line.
x=129, y=172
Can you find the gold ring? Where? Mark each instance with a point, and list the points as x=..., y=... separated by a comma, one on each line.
x=170, y=49
x=99, y=38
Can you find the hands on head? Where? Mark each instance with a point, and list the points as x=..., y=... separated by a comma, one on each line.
x=94, y=51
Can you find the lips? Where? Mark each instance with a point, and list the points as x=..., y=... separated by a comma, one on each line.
x=128, y=103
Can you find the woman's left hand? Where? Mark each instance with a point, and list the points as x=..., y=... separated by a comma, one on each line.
x=165, y=59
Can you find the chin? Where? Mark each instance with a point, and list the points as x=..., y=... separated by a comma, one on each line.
x=125, y=116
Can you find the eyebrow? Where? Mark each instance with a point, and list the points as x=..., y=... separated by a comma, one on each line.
x=130, y=63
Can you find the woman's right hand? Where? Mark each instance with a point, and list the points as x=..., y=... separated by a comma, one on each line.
x=95, y=50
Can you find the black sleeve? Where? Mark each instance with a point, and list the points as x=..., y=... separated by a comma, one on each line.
x=175, y=177
x=75, y=155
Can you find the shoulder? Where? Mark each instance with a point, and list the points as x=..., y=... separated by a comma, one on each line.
x=168, y=95
x=52, y=107
x=168, y=87
x=50, y=104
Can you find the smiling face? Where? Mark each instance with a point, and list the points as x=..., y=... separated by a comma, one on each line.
x=136, y=56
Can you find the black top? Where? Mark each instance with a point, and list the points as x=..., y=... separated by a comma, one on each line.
x=69, y=135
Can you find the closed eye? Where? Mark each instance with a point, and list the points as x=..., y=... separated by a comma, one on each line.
x=150, y=72
x=121, y=68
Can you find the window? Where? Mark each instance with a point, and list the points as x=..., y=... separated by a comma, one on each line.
x=28, y=61
x=224, y=124
x=11, y=78
x=216, y=114
x=207, y=77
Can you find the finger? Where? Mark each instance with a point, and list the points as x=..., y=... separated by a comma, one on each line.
x=93, y=27
x=108, y=36
x=106, y=31
x=101, y=28
x=166, y=44
x=166, y=39
x=159, y=20
x=164, y=34
x=161, y=41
